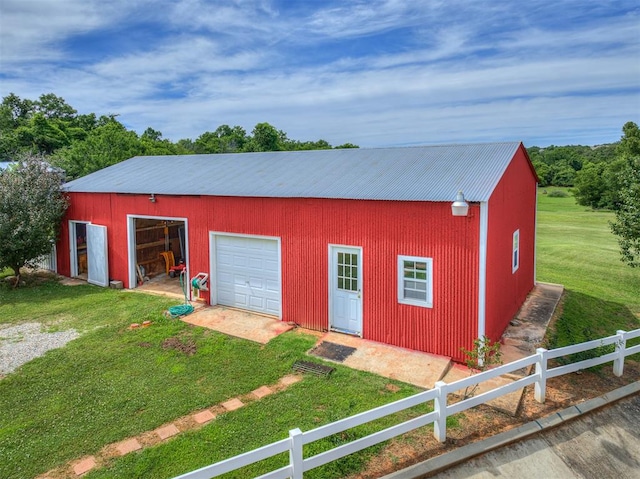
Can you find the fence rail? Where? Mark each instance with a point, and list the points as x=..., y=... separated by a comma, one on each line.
x=297, y=439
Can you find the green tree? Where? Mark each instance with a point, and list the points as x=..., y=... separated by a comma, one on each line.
x=562, y=174
x=600, y=153
x=612, y=176
x=151, y=135
x=154, y=145
x=225, y=139
x=590, y=185
x=627, y=223
x=630, y=142
x=9, y=142
x=292, y=145
x=40, y=126
x=558, y=165
x=52, y=106
x=19, y=110
x=543, y=171
x=104, y=146
x=14, y=113
x=32, y=205
x=265, y=137
x=43, y=135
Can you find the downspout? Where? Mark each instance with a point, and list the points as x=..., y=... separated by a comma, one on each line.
x=482, y=270
x=535, y=241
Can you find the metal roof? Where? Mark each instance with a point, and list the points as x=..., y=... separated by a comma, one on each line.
x=425, y=173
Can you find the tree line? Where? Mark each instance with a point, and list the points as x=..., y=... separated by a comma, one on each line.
x=83, y=143
x=594, y=174
x=51, y=131
x=601, y=177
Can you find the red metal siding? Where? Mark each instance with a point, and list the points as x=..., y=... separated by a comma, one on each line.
x=384, y=230
x=512, y=206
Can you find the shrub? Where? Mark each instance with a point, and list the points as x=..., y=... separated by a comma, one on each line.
x=558, y=194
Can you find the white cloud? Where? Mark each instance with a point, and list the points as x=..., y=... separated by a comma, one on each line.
x=458, y=75
x=33, y=29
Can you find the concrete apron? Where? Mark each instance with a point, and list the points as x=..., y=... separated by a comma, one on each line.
x=238, y=323
x=525, y=333
x=413, y=367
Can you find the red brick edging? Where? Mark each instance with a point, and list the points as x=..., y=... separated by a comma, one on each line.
x=192, y=421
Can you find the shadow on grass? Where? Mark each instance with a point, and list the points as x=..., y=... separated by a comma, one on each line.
x=585, y=318
x=83, y=306
x=39, y=288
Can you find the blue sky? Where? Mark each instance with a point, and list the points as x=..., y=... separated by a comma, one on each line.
x=370, y=72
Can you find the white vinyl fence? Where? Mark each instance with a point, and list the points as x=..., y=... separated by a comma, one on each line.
x=48, y=261
x=438, y=417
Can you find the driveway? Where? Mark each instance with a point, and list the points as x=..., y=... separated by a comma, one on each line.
x=604, y=445
x=598, y=438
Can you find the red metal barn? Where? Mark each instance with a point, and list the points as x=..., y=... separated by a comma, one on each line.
x=361, y=241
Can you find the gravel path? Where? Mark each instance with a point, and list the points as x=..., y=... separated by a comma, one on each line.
x=24, y=342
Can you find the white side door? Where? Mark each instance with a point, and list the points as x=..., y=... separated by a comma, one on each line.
x=97, y=255
x=345, y=289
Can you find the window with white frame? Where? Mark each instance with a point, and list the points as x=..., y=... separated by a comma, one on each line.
x=515, y=256
x=415, y=281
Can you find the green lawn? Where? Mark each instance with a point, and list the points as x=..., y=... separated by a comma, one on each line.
x=576, y=248
x=113, y=383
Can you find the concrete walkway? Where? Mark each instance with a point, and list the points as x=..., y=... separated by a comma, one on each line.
x=595, y=439
x=238, y=323
x=412, y=367
x=524, y=334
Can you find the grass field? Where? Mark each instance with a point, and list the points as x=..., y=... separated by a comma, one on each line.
x=575, y=247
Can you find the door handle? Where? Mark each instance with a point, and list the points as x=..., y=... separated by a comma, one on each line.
x=359, y=294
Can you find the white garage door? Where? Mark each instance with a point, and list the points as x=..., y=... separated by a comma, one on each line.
x=248, y=273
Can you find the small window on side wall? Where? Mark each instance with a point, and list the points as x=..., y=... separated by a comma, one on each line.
x=515, y=254
x=415, y=281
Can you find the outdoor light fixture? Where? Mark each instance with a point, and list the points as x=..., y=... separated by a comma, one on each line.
x=152, y=198
x=459, y=207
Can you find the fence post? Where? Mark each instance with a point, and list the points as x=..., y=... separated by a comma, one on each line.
x=295, y=453
x=541, y=373
x=621, y=346
x=440, y=408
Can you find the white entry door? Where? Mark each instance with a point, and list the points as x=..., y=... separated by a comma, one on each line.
x=345, y=289
x=248, y=273
x=97, y=254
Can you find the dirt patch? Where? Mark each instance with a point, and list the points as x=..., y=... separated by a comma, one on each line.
x=484, y=421
x=392, y=388
x=187, y=347
x=29, y=278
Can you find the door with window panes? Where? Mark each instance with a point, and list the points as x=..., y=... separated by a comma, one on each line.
x=345, y=290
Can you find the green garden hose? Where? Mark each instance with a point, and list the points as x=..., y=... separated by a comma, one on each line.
x=182, y=309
